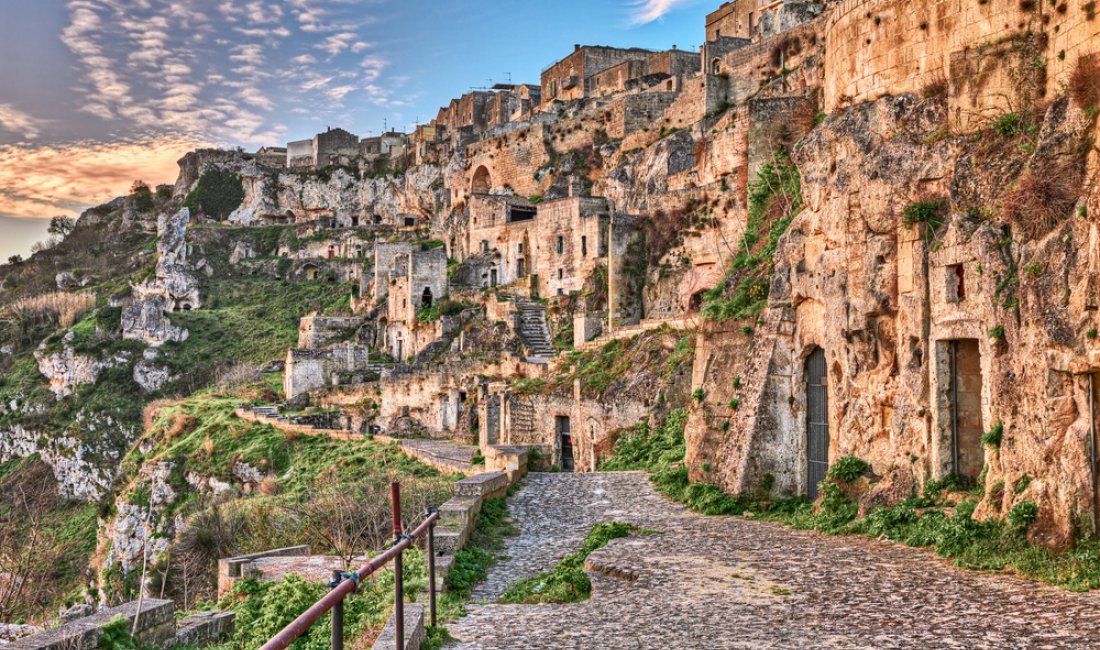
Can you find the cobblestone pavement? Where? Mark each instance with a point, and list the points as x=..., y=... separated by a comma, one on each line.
x=725, y=582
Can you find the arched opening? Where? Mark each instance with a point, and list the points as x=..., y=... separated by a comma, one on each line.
x=426, y=297
x=311, y=272
x=716, y=66
x=482, y=181
x=696, y=301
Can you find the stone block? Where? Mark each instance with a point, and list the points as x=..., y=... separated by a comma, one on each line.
x=487, y=485
x=415, y=629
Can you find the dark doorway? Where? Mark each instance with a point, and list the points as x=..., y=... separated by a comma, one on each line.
x=817, y=422
x=426, y=297
x=561, y=424
x=492, y=277
x=965, y=397
x=1094, y=462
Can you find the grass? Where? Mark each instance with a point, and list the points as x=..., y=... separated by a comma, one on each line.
x=245, y=321
x=644, y=448
x=204, y=434
x=567, y=582
x=775, y=198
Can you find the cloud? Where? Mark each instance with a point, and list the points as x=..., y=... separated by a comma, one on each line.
x=646, y=11
x=64, y=179
x=19, y=122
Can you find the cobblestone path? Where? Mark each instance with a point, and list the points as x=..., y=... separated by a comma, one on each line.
x=724, y=582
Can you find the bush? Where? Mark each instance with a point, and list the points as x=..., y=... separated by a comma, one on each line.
x=649, y=450
x=1023, y=514
x=1044, y=197
x=1084, y=83
x=218, y=193
x=848, y=469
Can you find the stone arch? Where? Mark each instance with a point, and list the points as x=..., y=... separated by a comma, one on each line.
x=482, y=181
x=426, y=297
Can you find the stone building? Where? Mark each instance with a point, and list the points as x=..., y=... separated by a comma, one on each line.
x=759, y=19
x=572, y=77
x=390, y=144
x=661, y=71
x=322, y=149
x=411, y=281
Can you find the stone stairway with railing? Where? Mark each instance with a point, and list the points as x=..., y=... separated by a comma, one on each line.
x=533, y=329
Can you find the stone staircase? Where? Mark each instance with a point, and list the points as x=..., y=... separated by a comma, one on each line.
x=533, y=330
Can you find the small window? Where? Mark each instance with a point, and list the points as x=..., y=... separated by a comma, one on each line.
x=561, y=244
x=561, y=274
x=484, y=245
x=584, y=246
x=519, y=248
x=956, y=283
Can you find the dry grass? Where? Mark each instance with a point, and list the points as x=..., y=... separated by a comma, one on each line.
x=59, y=307
x=936, y=86
x=1043, y=197
x=269, y=486
x=1084, y=83
x=152, y=410
x=182, y=423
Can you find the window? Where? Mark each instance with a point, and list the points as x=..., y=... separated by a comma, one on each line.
x=484, y=245
x=956, y=285
x=584, y=246
x=519, y=248
x=561, y=244
x=561, y=274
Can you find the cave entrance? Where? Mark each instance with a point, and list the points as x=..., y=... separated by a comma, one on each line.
x=964, y=398
x=817, y=422
x=426, y=297
x=561, y=426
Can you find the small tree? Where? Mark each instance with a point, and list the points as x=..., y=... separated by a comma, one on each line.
x=218, y=193
x=61, y=226
x=142, y=197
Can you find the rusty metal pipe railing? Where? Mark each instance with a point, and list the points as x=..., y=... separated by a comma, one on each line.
x=306, y=619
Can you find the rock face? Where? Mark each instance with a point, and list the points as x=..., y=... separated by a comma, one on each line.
x=67, y=369
x=149, y=375
x=932, y=334
x=344, y=198
x=74, y=464
x=173, y=289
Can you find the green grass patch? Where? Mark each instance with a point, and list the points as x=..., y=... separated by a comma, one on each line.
x=644, y=448
x=567, y=582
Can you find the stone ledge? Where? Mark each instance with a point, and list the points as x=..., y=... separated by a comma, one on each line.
x=156, y=626
x=487, y=485
x=203, y=629
x=415, y=629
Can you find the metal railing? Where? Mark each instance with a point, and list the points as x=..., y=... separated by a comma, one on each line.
x=345, y=584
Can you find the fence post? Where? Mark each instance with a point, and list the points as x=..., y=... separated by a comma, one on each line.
x=337, y=615
x=431, y=567
x=398, y=573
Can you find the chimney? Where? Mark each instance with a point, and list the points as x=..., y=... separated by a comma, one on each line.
x=576, y=46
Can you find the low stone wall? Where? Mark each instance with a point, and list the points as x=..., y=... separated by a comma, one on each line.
x=156, y=628
x=233, y=569
x=337, y=434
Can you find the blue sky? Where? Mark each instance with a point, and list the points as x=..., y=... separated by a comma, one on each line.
x=97, y=93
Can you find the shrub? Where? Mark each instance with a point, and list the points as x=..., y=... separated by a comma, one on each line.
x=928, y=212
x=848, y=469
x=141, y=197
x=993, y=437
x=1023, y=514
x=698, y=394
x=1084, y=83
x=218, y=193
x=997, y=332
x=648, y=449
x=1043, y=197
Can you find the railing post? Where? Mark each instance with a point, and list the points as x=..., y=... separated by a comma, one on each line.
x=337, y=615
x=431, y=568
x=398, y=572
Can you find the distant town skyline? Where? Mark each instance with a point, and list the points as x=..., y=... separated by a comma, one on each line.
x=99, y=93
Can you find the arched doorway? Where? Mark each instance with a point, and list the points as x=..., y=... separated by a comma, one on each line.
x=426, y=297
x=817, y=422
x=482, y=181
x=716, y=66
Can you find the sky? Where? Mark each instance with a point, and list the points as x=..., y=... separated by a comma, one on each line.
x=95, y=94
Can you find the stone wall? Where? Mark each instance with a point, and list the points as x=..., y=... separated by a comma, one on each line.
x=309, y=370
x=317, y=331
x=879, y=47
x=509, y=162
